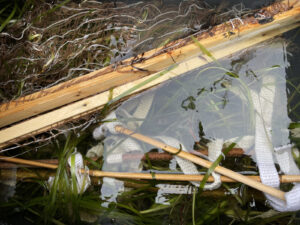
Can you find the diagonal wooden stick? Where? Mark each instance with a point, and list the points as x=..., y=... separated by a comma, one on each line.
x=146, y=176
x=202, y=162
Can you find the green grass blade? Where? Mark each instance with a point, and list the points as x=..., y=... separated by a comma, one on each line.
x=205, y=51
x=3, y=9
x=194, y=206
x=136, y=87
x=214, y=165
x=51, y=10
x=3, y=25
x=73, y=174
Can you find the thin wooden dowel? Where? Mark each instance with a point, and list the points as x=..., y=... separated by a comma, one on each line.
x=182, y=177
x=146, y=176
x=205, y=163
x=28, y=162
x=153, y=156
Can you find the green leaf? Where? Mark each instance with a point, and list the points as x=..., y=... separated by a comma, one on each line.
x=232, y=74
x=2, y=10
x=73, y=174
x=129, y=208
x=51, y=10
x=20, y=89
x=188, y=103
x=3, y=25
x=214, y=165
x=294, y=125
x=165, y=42
x=204, y=50
x=145, y=14
x=138, y=86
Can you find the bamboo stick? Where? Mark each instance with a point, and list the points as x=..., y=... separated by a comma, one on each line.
x=205, y=163
x=146, y=176
x=28, y=162
x=12, y=165
x=183, y=177
x=246, y=34
x=154, y=156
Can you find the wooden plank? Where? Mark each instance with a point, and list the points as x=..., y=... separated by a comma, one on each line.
x=282, y=23
x=107, y=78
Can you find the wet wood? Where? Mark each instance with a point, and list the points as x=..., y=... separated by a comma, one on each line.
x=125, y=76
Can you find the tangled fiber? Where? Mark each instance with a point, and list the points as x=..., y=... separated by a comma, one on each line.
x=55, y=42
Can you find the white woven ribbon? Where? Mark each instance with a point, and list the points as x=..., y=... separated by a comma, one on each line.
x=264, y=150
x=82, y=179
x=265, y=153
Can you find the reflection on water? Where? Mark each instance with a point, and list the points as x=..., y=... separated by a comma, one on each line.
x=209, y=103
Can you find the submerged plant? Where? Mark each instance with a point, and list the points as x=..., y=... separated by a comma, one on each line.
x=59, y=202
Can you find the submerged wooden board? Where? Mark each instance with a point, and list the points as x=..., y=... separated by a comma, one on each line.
x=256, y=34
x=107, y=78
